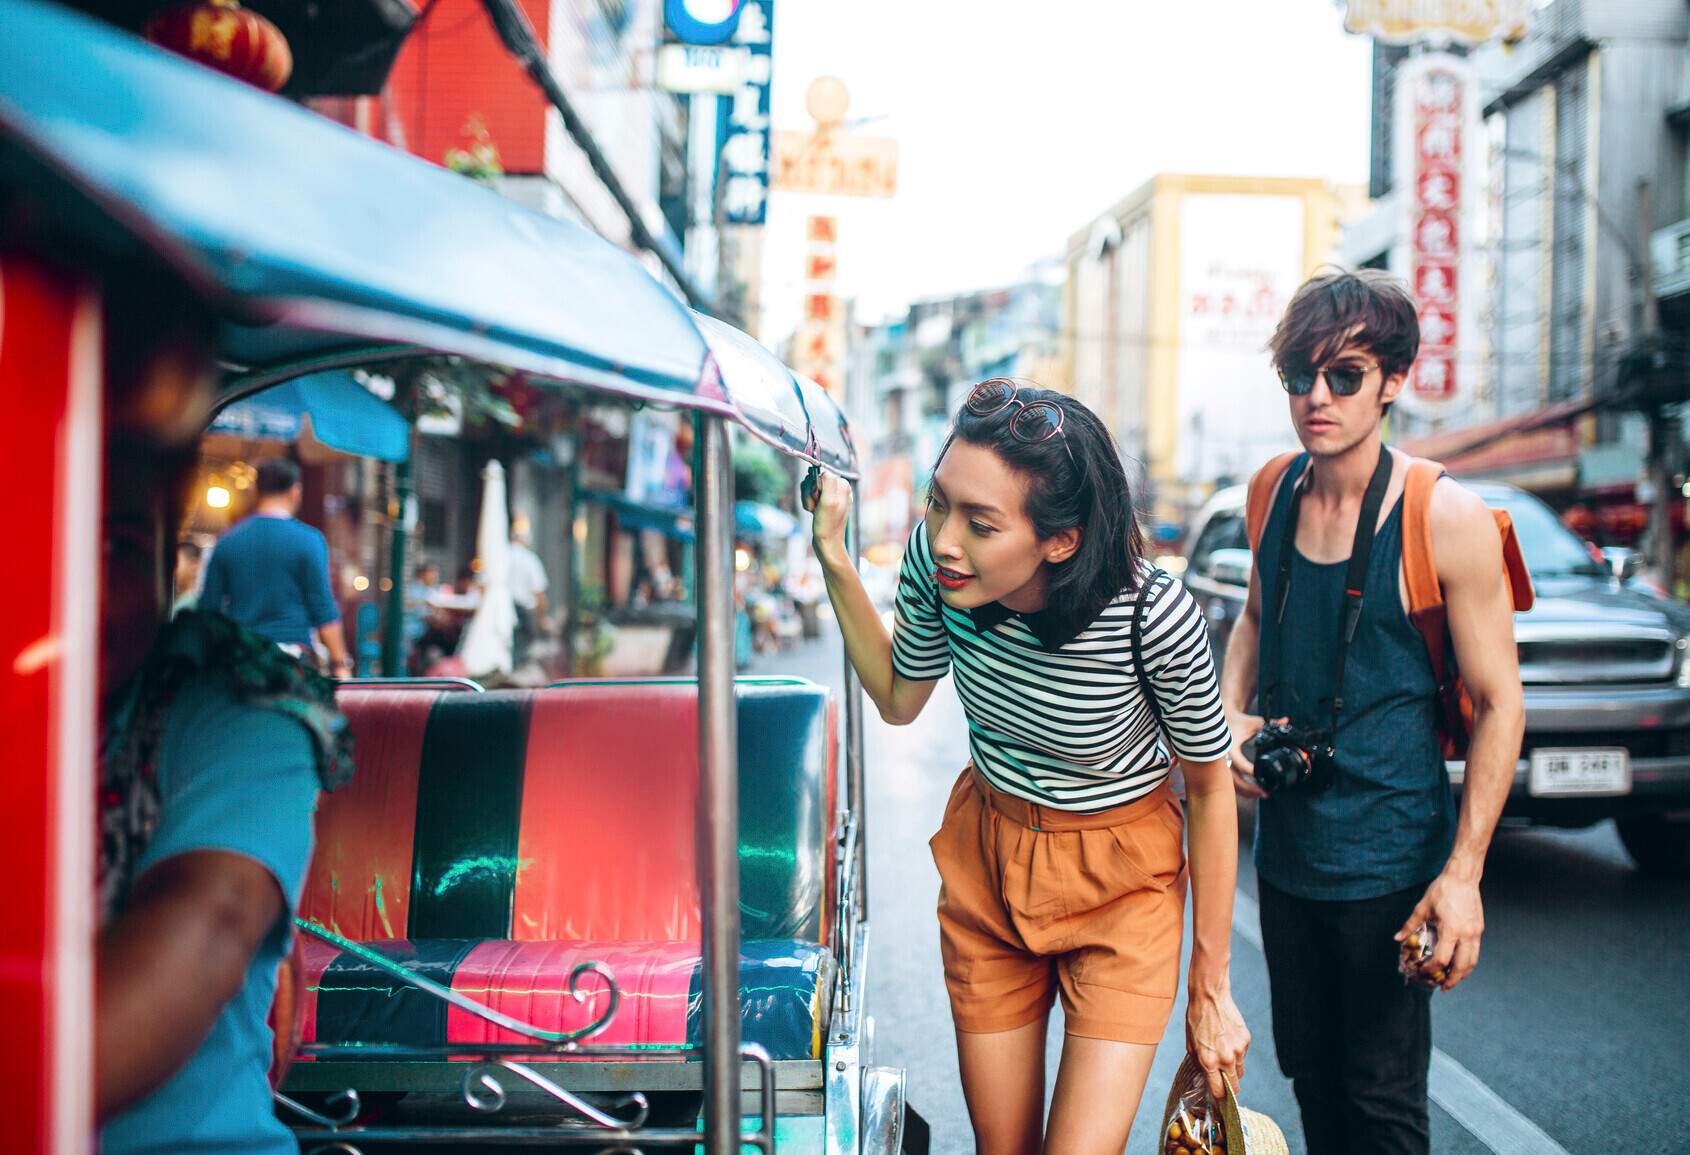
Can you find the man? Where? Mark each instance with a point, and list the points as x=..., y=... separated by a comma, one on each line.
x=420, y=614
x=1347, y=871
x=271, y=573
x=528, y=590
x=214, y=747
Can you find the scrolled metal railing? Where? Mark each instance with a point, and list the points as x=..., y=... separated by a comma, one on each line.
x=619, y=1127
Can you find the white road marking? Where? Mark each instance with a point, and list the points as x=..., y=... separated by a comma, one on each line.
x=1488, y=1116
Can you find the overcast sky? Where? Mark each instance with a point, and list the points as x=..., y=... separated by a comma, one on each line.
x=1018, y=123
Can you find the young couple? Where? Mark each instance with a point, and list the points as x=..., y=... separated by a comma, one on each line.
x=1062, y=853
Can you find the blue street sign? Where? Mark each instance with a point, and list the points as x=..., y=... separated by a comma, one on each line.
x=702, y=21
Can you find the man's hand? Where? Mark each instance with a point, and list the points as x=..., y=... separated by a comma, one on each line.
x=1244, y=727
x=1455, y=911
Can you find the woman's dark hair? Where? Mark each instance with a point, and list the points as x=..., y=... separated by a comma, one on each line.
x=1089, y=490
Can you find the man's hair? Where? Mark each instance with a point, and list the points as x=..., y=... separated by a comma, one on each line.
x=1333, y=308
x=276, y=475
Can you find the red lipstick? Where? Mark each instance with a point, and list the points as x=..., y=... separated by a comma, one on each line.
x=951, y=579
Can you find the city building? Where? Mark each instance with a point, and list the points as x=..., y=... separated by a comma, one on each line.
x=1573, y=121
x=1172, y=295
x=905, y=378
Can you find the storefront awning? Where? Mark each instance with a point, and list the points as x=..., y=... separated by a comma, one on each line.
x=332, y=406
x=755, y=519
x=1537, y=450
x=633, y=515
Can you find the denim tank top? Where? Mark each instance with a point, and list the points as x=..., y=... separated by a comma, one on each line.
x=1388, y=820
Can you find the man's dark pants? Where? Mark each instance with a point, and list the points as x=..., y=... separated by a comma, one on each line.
x=1354, y=1040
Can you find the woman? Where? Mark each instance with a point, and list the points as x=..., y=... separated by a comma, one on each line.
x=1060, y=853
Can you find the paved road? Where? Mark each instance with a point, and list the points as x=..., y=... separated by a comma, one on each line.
x=1576, y=1023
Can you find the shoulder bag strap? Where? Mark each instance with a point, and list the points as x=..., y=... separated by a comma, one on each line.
x=1141, y=609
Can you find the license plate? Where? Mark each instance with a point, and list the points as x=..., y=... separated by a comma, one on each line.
x=1580, y=772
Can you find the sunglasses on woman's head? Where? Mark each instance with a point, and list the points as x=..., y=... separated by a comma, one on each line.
x=1344, y=380
x=1036, y=421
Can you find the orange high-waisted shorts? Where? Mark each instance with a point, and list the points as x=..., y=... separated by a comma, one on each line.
x=1034, y=901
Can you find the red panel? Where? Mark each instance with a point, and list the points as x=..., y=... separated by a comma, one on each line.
x=612, y=864
x=360, y=881
x=48, y=336
x=317, y=956
x=530, y=981
x=454, y=72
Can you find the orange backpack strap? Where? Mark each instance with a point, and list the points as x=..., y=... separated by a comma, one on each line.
x=1514, y=563
x=1419, y=571
x=1260, y=500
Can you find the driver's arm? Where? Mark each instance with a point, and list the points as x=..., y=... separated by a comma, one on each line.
x=169, y=964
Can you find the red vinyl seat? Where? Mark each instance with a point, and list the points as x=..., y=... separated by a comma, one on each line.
x=495, y=840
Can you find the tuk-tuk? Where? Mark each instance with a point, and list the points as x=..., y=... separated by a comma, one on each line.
x=618, y=914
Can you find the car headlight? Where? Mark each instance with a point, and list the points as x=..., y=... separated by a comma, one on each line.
x=1684, y=663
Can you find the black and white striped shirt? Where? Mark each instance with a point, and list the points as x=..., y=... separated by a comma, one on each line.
x=1065, y=725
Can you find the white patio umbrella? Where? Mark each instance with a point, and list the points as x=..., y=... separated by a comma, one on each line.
x=486, y=645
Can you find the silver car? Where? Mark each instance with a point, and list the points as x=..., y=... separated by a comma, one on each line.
x=1604, y=664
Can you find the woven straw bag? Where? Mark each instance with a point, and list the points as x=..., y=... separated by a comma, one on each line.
x=1247, y=1132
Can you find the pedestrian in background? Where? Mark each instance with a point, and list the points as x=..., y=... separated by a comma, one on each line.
x=1060, y=855
x=528, y=584
x=1369, y=846
x=270, y=573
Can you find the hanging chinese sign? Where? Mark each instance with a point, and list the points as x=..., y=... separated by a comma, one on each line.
x=1436, y=114
x=1439, y=21
x=818, y=347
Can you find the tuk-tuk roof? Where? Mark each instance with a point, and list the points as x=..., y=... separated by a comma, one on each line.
x=772, y=402
x=321, y=246
x=830, y=432
x=761, y=386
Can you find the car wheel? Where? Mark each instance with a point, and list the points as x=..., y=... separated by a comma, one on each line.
x=1657, y=844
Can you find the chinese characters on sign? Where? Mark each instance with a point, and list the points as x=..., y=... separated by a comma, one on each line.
x=836, y=164
x=818, y=347
x=1437, y=100
x=745, y=146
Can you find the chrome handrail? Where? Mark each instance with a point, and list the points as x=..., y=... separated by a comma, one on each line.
x=409, y=683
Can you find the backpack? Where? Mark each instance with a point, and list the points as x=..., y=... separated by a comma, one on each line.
x=1426, y=608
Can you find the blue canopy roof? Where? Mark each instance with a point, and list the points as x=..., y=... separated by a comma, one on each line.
x=321, y=246
x=343, y=414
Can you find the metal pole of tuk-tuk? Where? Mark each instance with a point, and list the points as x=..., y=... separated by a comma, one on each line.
x=854, y=728
x=718, y=800
x=398, y=510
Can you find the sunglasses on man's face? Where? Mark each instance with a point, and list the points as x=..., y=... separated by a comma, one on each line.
x=1344, y=380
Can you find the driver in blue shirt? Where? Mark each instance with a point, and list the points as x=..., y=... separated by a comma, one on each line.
x=214, y=746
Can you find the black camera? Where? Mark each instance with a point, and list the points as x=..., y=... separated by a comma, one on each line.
x=1287, y=756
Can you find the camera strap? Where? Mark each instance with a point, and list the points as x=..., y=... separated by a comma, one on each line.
x=1355, y=577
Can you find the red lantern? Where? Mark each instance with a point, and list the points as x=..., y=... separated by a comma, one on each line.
x=222, y=35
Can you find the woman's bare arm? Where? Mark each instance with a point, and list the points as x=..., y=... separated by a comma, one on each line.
x=868, y=645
